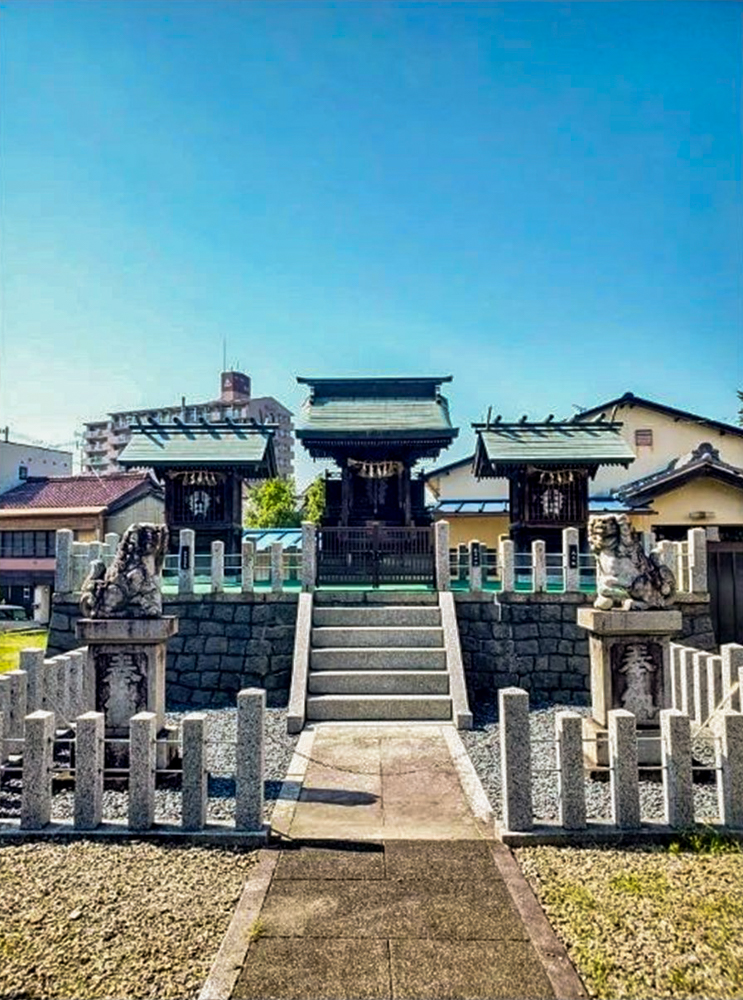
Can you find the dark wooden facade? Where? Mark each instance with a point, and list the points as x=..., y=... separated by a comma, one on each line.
x=203, y=467
x=548, y=466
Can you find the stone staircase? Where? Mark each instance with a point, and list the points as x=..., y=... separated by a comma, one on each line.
x=381, y=661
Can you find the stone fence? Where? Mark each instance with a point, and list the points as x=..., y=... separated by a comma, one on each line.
x=473, y=567
x=703, y=684
x=518, y=824
x=37, y=749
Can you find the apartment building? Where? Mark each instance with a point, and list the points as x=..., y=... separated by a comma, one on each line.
x=104, y=440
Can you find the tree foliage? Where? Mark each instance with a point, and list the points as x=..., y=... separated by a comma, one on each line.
x=272, y=504
x=314, y=501
x=740, y=411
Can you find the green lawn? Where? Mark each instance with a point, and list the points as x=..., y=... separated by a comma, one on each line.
x=11, y=643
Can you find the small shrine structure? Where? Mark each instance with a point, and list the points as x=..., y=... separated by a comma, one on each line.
x=203, y=467
x=376, y=527
x=548, y=465
x=375, y=430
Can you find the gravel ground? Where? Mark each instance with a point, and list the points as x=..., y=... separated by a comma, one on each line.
x=221, y=735
x=483, y=747
x=645, y=923
x=136, y=920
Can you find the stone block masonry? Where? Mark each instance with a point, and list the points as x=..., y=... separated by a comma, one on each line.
x=230, y=641
x=225, y=642
x=533, y=641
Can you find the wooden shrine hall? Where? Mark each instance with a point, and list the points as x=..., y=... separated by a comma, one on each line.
x=203, y=466
x=376, y=525
x=548, y=466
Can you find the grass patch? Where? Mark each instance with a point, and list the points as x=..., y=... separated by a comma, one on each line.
x=11, y=644
x=647, y=922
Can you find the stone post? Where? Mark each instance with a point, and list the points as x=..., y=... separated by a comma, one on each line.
x=678, y=793
x=515, y=748
x=571, y=559
x=714, y=683
x=667, y=554
x=701, y=686
x=277, y=567
x=251, y=704
x=441, y=550
x=697, y=561
x=462, y=562
x=507, y=562
x=36, y=795
x=111, y=541
x=217, y=569
x=729, y=753
x=62, y=705
x=681, y=570
x=624, y=778
x=194, y=781
x=89, y=770
x=732, y=664
x=247, y=576
x=76, y=659
x=80, y=564
x=142, y=732
x=49, y=686
x=18, y=688
x=476, y=553
x=89, y=693
x=32, y=662
x=95, y=551
x=571, y=790
x=186, y=560
x=63, y=562
x=686, y=666
x=309, y=555
x=539, y=566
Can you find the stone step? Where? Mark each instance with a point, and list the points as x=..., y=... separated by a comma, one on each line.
x=334, y=598
x=379, y=658
x=379, y=682
x=336, y=636
x=378, y=707
x=369, y=615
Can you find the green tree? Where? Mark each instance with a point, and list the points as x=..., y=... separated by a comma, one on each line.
x=272, y=504
x=314, y=501
x=740, y=411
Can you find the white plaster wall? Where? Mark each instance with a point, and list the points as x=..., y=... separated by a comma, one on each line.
x=38, y=461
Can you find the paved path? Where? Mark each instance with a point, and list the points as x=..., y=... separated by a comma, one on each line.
x=414, y=899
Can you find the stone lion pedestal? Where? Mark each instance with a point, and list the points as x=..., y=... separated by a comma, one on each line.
x=128, y=657
x=630, y=669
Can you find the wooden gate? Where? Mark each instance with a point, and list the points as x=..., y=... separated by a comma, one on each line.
x=725, y=575
x=375, y=555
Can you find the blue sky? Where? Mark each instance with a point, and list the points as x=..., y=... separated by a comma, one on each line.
x=543, y=200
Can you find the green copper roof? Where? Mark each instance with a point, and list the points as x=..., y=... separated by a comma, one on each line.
x=207, y=444
x=374, y=416
x=503, y=445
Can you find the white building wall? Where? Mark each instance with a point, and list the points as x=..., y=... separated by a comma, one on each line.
x=36, y=461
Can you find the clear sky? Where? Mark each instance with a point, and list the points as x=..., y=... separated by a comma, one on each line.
x=543, y=200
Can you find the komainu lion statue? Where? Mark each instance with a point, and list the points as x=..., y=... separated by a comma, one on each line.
x=625, y=576
x=130, y=587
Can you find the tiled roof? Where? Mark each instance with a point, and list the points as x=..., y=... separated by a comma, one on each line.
x=73, y=491
x=702, y=461
x=224, y=444
x=372, y=416
x=502, y=445
x=631, y=400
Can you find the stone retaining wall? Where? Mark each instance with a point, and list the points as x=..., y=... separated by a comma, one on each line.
x=227, y=642
x=532, y=641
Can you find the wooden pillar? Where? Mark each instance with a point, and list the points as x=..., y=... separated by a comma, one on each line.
x=406, y=495
x=345, y=494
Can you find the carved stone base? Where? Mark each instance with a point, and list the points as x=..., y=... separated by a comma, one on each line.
x=128, y=660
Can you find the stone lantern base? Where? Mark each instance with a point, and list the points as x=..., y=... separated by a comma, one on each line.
x=128, y=656
x=630, y=669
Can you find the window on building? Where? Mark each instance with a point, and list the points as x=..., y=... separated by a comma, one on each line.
x=27, y=544
x=644, y=436
x=23, y=471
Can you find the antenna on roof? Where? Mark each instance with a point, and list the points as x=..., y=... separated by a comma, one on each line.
x=224, y=354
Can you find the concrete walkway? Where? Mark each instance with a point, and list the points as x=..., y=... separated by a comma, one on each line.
x=388, y=883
